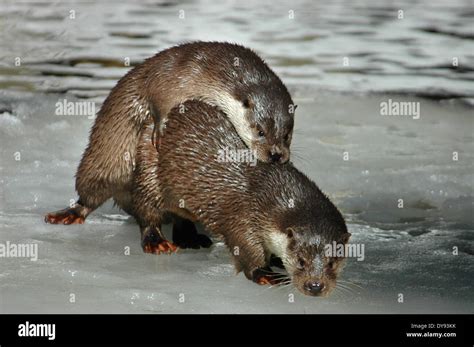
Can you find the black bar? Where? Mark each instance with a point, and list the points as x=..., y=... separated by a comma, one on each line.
x=242, y=329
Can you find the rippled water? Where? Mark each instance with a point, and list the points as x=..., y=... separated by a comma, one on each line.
x=352, y=46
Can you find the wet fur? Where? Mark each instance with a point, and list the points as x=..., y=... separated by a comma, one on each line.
x=198, y=70
x=249, y=206
x=260, y=211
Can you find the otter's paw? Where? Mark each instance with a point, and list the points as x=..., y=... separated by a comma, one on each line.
x=66, y=216
x=266, y=277
x=162, y=247
x=153, y=243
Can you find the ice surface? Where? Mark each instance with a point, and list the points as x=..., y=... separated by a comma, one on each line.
x=407, y=251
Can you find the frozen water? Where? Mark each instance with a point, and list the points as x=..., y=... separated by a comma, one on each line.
x=408, y=250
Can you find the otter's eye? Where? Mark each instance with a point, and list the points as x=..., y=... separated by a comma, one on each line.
x=331, y=264
x=261, y=133
x=301, y=264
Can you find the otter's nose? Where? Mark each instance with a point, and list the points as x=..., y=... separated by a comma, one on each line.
x=275, y=157
x=314, y=287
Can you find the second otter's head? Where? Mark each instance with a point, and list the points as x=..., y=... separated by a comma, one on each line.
x=269, y=112
x=263, y=116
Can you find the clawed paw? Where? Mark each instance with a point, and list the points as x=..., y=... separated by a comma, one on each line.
x=163, y=246
x=267, y=280
x=66, y=217
x=264, y=276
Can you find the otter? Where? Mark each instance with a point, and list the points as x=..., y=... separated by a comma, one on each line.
x=268, y=215
x=262, y=212
x=229, y=76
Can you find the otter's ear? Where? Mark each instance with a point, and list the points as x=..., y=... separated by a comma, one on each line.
x=247, y=103
x=345, y=237
x=290, y=232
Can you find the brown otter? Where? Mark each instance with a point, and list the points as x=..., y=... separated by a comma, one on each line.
x=259, y=211
x=229, y=76
x=262, y=212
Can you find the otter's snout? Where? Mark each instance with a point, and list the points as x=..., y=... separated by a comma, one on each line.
x=313, y=287
x=278, y=156
x=274, y=157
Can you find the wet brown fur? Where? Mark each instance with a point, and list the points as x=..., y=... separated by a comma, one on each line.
x=199, y=70
x=243, y=204
x=237, y=201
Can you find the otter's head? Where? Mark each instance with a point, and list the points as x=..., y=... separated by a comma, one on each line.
x=312, y=270
x=268, y=119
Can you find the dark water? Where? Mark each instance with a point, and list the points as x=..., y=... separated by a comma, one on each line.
x=81, y=47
